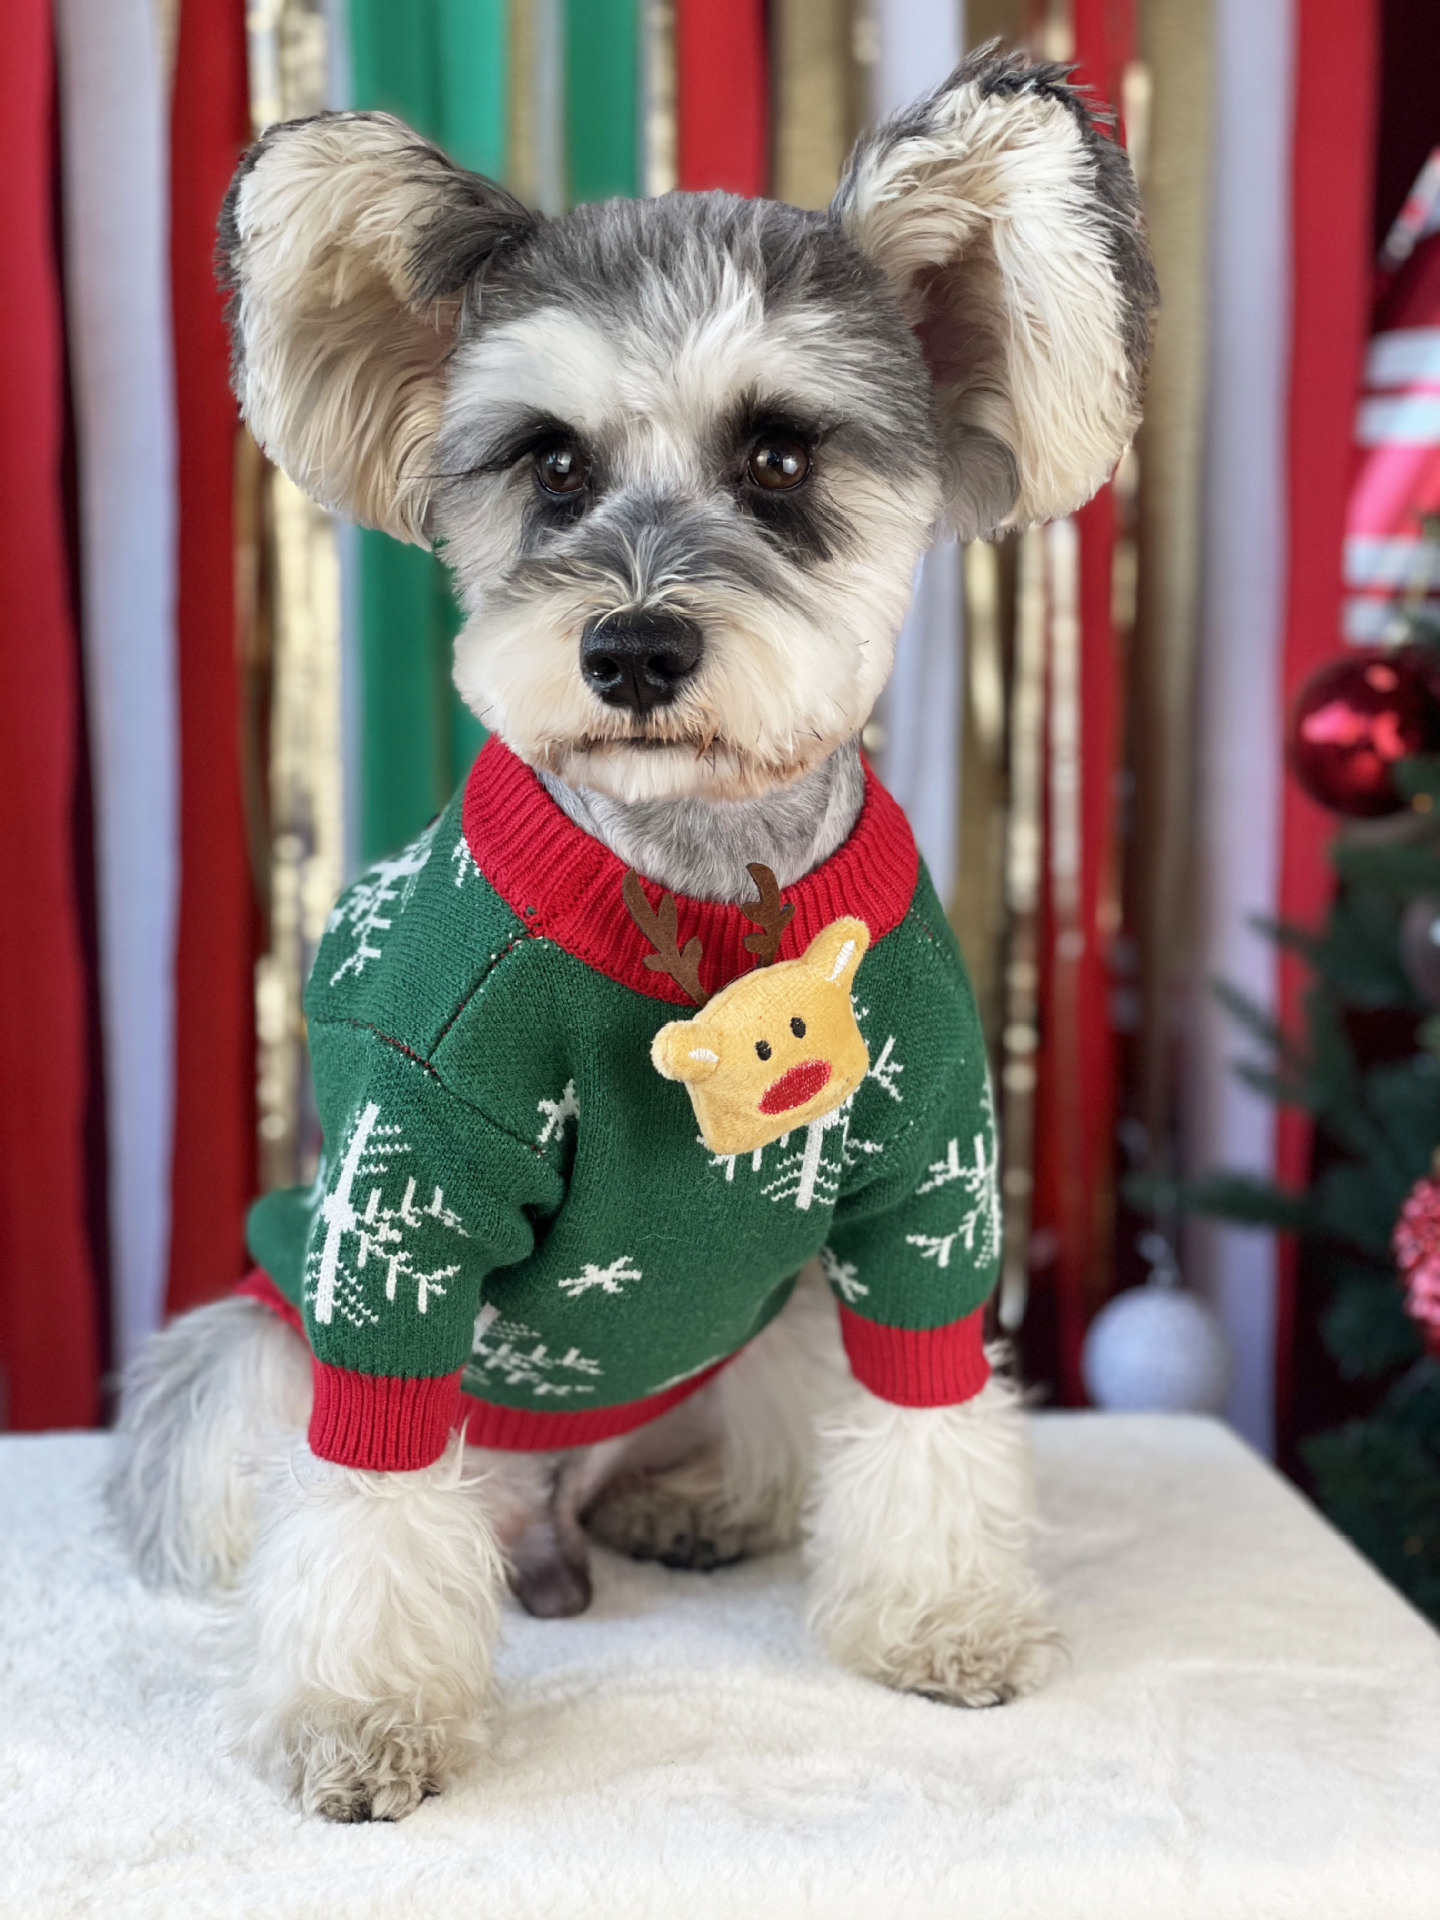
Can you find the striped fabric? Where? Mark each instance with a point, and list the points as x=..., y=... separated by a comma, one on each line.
x=1395, y=483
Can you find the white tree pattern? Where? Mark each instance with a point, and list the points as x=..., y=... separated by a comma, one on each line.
x=462, y=861
x=556, y=1113
x=809, y=1171
x=503, y=1352
x=376, y=901
x=611, y=1279
x=383, y=1234
x=806, y=1170
x=842, y=1276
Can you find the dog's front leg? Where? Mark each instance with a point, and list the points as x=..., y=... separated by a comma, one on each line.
x=359, y=1639
x=919, y=1542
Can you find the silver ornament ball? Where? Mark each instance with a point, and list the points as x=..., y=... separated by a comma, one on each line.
x=1420, y=947
x=1156, y=1349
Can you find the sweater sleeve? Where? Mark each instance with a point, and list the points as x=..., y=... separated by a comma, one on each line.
x=913, y=1255
x=420, y=1195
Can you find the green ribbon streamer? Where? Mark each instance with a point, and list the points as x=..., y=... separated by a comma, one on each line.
x=439, y=65
x=602, y=77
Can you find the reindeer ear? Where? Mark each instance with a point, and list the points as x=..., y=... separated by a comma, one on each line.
x=346, y=242
x=682, y=1052
x=1011, y=232
x=837, y=950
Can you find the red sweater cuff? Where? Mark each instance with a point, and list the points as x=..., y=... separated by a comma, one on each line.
x=381, y=1422
x=931, y=1367
x=257, y=1285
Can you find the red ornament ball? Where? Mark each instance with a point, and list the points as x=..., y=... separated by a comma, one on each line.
x=1351, y=722
x=1416, y=1245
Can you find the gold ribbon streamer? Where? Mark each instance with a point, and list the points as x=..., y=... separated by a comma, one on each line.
x=1176, y=40
x=288, y=579
x=817, y=111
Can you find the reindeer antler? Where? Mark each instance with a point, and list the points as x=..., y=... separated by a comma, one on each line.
x=660, y=929
x=772, y=916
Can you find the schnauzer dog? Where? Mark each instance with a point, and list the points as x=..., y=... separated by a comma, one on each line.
x=682, y=456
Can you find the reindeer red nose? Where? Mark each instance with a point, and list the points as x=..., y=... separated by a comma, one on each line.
x=795, y=1087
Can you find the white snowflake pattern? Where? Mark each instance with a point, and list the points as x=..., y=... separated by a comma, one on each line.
x=611, y=1279
x=556, y=1113
x=381, y=1232
x=934, y=1247
x=376, y=901
x=887, y=1070
x=979, y=1181
x=462, y=861
x=503, y=1352
x=843, y=1277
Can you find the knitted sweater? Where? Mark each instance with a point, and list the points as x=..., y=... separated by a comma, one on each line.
x=515, y=1224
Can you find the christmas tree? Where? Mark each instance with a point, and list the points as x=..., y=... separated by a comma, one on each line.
x=1375, y=1109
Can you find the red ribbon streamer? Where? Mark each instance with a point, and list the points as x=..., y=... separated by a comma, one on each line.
x=1336, y=59
x=723, y=95
x=214, y=1160
x=49, y=1359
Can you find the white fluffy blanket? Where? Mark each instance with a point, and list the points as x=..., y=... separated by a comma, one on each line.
x=1249, y=1727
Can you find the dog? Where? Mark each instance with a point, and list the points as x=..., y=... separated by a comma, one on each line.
x=682, y=457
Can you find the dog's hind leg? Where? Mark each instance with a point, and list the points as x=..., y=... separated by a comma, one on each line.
x=202, y=1405
x=725, y=1475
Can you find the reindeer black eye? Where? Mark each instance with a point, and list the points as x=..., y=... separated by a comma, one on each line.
x=778, y=461
x=797, y=1027
x=762, y=1047
x=562, y=468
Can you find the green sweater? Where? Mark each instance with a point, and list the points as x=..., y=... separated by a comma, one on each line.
x=515, y=1223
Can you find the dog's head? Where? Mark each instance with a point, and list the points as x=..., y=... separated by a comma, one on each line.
x=682, y=454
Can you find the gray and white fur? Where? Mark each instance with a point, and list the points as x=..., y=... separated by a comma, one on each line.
x=681, y=456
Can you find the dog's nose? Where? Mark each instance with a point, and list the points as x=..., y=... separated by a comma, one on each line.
x=639, y=660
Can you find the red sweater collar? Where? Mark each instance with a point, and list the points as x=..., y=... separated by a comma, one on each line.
x=565, y=885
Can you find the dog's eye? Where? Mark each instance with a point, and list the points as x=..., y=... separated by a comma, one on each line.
x=777, y=461
x=797, y=1027
x=562, y=468
x=762, y=1047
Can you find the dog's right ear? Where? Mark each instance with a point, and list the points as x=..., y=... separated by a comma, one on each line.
x=347, y=243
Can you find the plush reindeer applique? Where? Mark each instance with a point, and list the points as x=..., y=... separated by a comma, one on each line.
x=777, y=1048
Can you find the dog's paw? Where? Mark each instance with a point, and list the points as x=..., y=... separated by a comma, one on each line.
x=651, y=1519
x=969, y=1674
x=967, y=1664
x=367, y=1765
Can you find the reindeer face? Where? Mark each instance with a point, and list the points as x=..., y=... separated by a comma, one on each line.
x=776, y=1049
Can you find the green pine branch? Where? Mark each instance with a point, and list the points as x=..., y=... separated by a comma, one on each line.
x=1378, y=1477
x=1241, y=1197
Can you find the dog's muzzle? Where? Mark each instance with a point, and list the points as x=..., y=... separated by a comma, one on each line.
x=639, y=660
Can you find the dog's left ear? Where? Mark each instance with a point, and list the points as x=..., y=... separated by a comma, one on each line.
x=1010, y=230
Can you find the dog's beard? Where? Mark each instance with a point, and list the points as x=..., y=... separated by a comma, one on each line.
x=704, y=766
x=776, y=693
